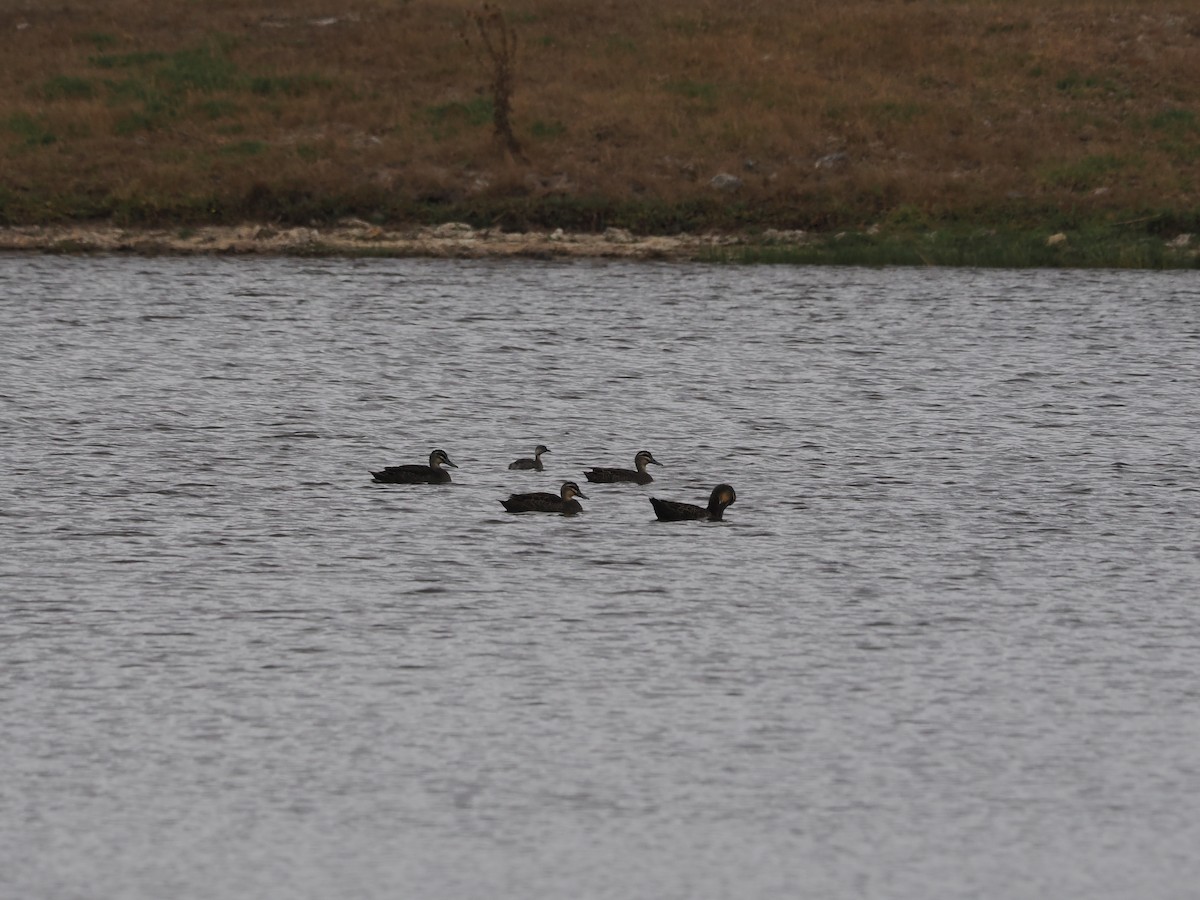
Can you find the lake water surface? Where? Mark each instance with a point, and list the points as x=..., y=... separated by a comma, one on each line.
x=945, y=645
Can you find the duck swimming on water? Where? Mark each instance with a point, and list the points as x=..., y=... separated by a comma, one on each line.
x=670, y=511
x=638, y=474
x=564, y=502
x=527, y=463
x=414, y=474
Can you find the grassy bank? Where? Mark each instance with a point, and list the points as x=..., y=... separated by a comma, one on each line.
x=924, y=131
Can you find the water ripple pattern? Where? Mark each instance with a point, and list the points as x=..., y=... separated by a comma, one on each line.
x=944, y=645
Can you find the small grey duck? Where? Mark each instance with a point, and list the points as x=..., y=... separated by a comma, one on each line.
x=430, y=474
x=670, y=511
x=564, y=502
x=638, y=474
x=527, y=463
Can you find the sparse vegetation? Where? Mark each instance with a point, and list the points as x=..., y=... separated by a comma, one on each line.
x=977, y=118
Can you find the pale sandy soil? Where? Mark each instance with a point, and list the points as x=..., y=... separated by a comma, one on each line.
x=353, y=237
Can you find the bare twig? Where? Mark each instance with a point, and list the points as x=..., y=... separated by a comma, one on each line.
x=497, y=51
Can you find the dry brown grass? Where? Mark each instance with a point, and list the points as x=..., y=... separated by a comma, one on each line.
x=828, y=112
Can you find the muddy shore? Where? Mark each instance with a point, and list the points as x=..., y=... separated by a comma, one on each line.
x=358, y=238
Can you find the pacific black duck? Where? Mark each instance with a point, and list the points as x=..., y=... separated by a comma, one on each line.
x=638, y=474
x=670, y=511
x=564, y=502
x=534, y=463
x=430, y=474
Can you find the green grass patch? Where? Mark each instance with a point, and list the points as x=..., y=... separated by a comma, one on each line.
x=1187, y=152
x=547, y=130
x=126, y=60
x=159, y=88
x=907, y=218
x=132, y=123
x=445, y=120
x=1084, y=174
x=835, y=113
x=201, y=69
x=67, y=87
x=893, y=113
x=702, y=92
x=153, y=106
x=130, y=90
x=474, y=112
x=244, y=149
x=216, y=108
x=1075, y=85
x=687, y=26
x=1175, y=121
x=1007, y=27
x=1093, y=247
x=31, y=131
x=1179, y=132
x=208, y=69
x=101, y=40
x=287, y=85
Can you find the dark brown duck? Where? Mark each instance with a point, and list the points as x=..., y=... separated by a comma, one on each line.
x=637, y=474
x=564, y=502
x=534, y=463
x=670, y=511
x=414, y=474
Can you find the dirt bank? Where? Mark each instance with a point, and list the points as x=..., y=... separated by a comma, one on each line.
x=358, y=238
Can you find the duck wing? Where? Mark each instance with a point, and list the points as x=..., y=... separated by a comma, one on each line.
x=411, y=475
x=610, y=476
x=671, y=511
x=538, y=501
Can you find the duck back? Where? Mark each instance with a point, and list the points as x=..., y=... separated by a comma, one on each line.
x=670, y=511
x=723, y=495
x=540, y=501
x=613, y=476
x=411, y=475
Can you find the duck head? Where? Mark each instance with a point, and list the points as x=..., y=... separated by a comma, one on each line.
x=439, y=458
x=644, y=458
x=571, y=489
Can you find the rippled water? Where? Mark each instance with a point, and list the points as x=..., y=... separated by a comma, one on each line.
x=946, y=643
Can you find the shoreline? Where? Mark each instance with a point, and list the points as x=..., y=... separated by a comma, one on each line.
x=354, y=238
x=358, y=238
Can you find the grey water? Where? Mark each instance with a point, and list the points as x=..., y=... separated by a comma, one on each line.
x=946, y=643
